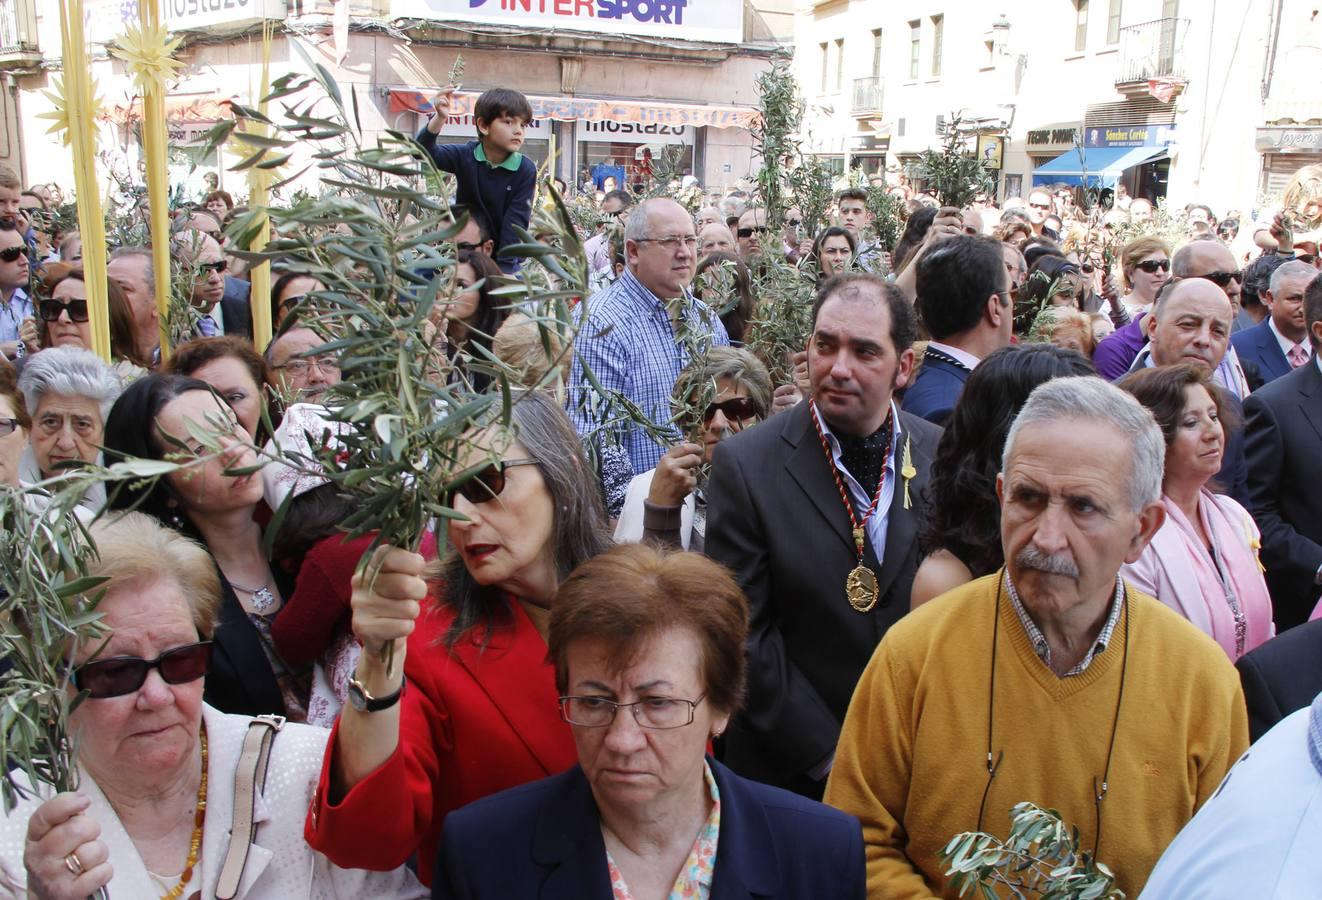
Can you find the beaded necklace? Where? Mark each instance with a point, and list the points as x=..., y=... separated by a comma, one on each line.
x=199, y=817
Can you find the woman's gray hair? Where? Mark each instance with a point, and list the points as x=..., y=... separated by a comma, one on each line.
x=1087, y=398
x=71, y=371
x=738, y=365
x=578, y=529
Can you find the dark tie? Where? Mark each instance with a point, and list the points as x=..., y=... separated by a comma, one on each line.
x=865, y=457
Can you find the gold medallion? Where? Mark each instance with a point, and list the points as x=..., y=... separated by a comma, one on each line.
x=861, y=589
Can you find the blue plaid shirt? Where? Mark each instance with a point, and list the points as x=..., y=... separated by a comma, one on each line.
x=13, y=313
x=630, y=346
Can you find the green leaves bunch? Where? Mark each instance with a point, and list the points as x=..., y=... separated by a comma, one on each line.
x=954, y=173
x=1040, y=858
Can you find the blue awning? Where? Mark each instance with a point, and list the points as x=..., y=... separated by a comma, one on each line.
x=1103, y=165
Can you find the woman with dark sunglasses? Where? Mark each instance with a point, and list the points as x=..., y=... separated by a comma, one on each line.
x=155, y=808
x=469, y=706
x=65, y=321
x=1146, y=265
x=666, y=504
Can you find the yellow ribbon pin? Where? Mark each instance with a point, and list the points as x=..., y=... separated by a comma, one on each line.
x=907, y=471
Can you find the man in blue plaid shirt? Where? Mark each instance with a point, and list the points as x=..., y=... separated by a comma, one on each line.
x=642, y=330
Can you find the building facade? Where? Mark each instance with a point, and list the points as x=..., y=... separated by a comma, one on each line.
x=609, y=81
x=1160, y=96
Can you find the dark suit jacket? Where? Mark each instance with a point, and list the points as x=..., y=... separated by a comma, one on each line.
x=1282, y=676
x=1283, y=427
x=542, y=841
x=241, y=680
x=936, y=390
x=776, y=519
x=236, y=308
x=1258, y=345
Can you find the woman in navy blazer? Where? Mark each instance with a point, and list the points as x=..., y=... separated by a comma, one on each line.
x=648, y=653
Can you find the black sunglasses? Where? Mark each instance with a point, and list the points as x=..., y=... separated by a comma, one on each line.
x=467, y=245
x=11, y=254
x=749, y=232
x=119, y=675
x=487, y=482
x=1221, y=279
x=1153, y=266
x=736, y=409
x=51, y=309
x=218, y=267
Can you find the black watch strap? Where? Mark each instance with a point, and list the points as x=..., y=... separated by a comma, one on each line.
x=365, y=702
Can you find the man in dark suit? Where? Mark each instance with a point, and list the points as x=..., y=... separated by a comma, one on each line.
x=964, y=301
x=825, y=576
x=1284, y=443
x=218, y=314
x=1282, y=676
x=1279, y=343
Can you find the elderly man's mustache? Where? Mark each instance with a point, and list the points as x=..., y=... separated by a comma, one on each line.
x=1051, y=563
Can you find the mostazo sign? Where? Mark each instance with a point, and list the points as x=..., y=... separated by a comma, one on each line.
x=695, y=20
x=181, y=15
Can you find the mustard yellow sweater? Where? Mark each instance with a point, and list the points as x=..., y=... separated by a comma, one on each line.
x=911, y=763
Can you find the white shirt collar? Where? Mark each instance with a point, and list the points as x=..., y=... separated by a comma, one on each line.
x=1286, y=344
x=962, y=356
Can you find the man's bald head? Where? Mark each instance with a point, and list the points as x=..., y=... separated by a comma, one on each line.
x=1190, y=323
x=1204, y=259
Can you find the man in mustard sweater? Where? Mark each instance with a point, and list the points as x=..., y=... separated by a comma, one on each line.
x=1051, y=681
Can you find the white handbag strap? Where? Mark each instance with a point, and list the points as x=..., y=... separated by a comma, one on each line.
x=249, y=779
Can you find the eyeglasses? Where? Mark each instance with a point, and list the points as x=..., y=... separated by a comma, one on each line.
x=736, y=409
x=1153, y=266
x=119, y=675
x=794, y=223
x=1040, y=205
x=650, y=712
x=8, y=427
x=671, y=244
x=51, y=310
x=11, y=254
x=468, y=245
x=487, y=482
x=218, y=266
x=1222, y=279
x=301, y=367
x=290, y=302
x=749, y=232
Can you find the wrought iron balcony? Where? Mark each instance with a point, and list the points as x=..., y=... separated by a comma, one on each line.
x=18, y=34
x=1152, y=50
x=867, y=95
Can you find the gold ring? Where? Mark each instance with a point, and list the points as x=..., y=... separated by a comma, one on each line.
x=74, y=864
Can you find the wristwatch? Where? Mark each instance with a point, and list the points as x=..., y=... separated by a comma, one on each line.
x=362, y=701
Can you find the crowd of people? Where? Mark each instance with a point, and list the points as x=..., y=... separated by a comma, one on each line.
x=1030, y=516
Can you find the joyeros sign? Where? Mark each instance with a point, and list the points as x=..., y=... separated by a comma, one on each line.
x=720, y=21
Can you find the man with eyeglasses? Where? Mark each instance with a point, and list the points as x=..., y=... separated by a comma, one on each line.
x=752, y=225
x=966, y=303
x=217, y=314
x=16, y=307
x=635, y=336
x=1052, y=679
x=298, y=373
x=1039, y=207
x=474, y=235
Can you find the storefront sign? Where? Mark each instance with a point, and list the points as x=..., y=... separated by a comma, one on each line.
x=647, y=113
x=1289, y=140
x=1043, y=137
x=183, y=15
x=465, y=126
x=1129, y=136
x=606, y=130
x=694, y=20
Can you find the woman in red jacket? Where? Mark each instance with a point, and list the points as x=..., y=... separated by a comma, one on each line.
x=470, y=707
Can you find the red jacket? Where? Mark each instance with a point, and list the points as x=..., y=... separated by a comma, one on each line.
x=473, y=721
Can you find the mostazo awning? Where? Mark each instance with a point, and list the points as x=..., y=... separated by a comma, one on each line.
x=1095, y=167
x=568, y=109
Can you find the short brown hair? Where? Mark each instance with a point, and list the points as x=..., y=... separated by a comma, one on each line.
x=193, y=355
x=9, y=389
x=633, y=592
x=1161, y=390
x=1136, y=250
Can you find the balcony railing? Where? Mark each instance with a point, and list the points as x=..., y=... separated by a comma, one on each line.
x=867, y=95
x=18, y=32
x=1152, y=50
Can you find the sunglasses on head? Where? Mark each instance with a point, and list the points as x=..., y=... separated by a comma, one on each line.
x=51, y=309
x=1153, y=266
x=119, y=675
x=11, y=254
x=736, y=409
x=487, y=482
x=1221, y=279
x=749, y=232
x=218, y=266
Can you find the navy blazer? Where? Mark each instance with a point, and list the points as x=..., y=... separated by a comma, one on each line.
x=936, y=390
x=1259, y=346
x=1282, y=676
x=542, y=841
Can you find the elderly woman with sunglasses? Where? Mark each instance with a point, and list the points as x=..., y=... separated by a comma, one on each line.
x=68, y=392
x=648, y=650
x=1146, y=265
x=157, y=796
x=468, y=707
x=666, y=504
